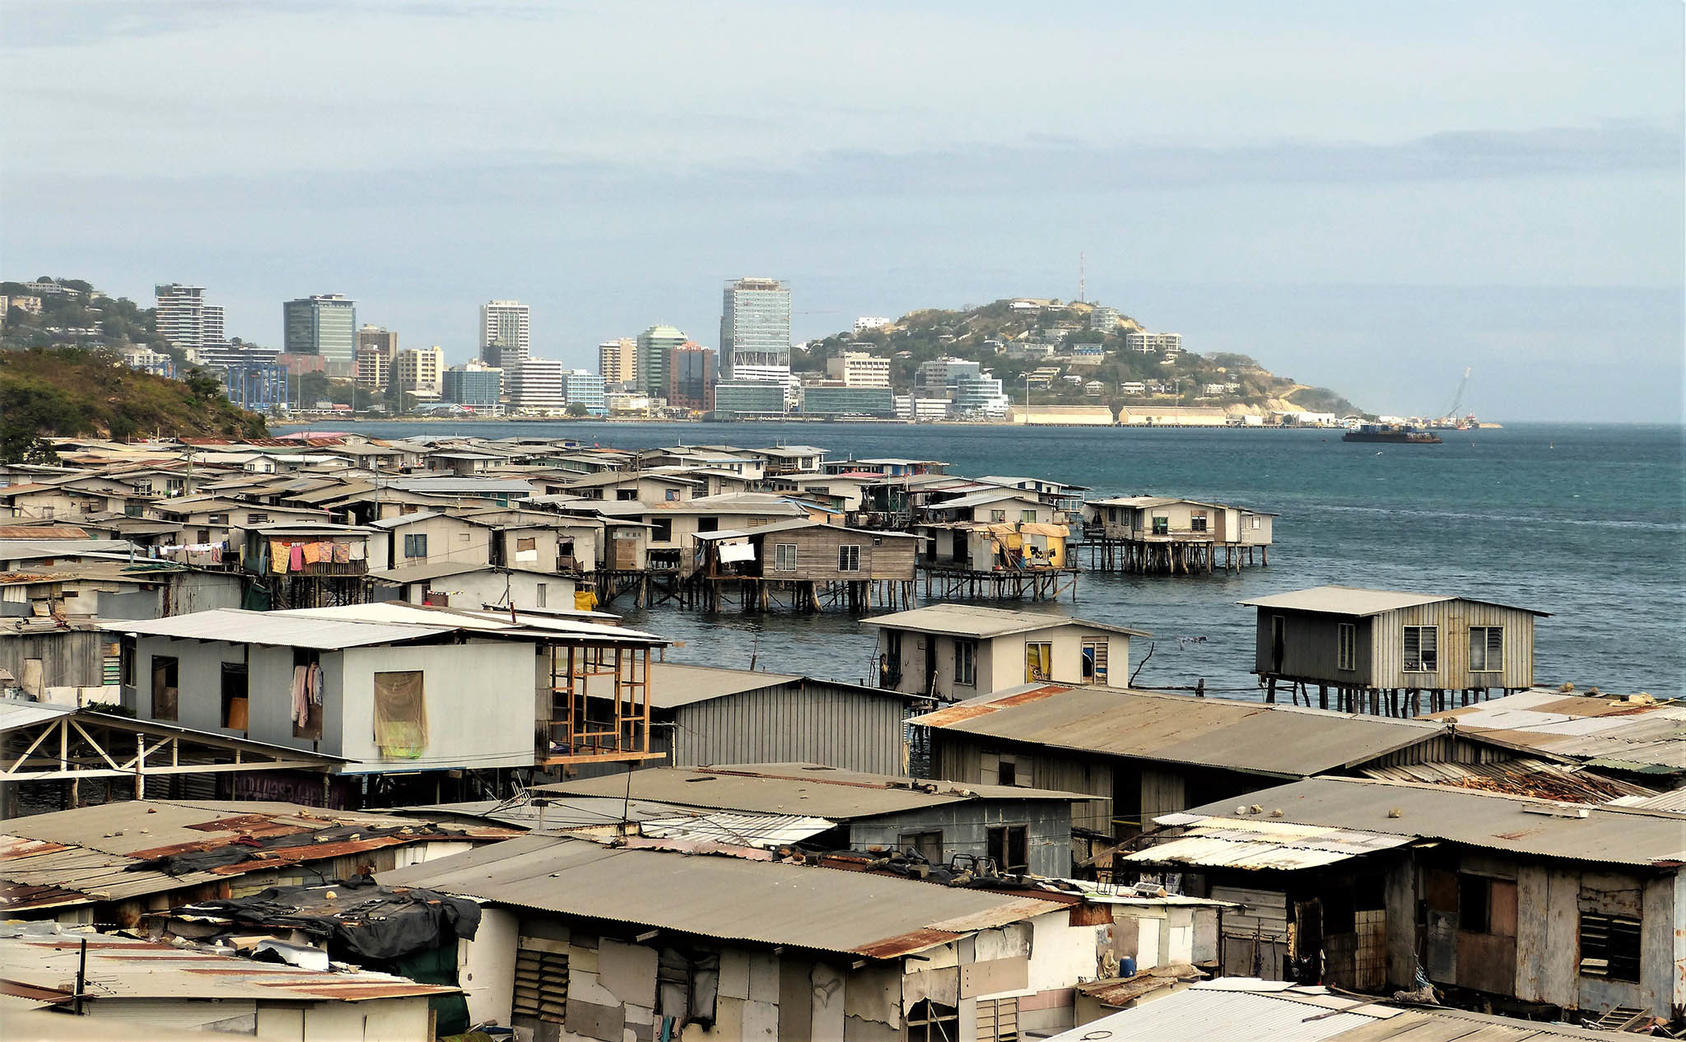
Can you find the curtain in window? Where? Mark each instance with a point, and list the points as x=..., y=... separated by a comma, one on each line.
x=400, y=715
x=1038, y=662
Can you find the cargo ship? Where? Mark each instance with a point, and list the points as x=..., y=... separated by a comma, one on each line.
x=1392, y=435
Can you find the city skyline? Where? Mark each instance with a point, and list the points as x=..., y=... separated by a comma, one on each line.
x=1265, y=185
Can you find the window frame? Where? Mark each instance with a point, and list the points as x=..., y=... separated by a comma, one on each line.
x=1027, y=517
x=1009, y=840
x=1630, y=966
x=1046, y=661
x=1427, y=654
x=965, y=662
x=414, y=542
x=159, y=664
x=1096, y=654
x=1346, y=646
x=782, y=551
x=849, y=557
x=1492, y=645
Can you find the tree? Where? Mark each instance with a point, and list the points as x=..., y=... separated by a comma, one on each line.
x=577, y=409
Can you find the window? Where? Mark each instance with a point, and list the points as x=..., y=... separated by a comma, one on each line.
x=306, y=708
x=1008, y=848
x=1161, y=524
x=671, y=495
x=541, y=979
x=1027, y=516
x=661, y=531
x=966, y=663
x=400, y=715
x=127, y=665
x=527, y=549
x=540, y=595
x=849, y=558
x=998, y=1020
x=111, y=664
x=1038, y=661
x=165, y=690
x=998, y=515
x=784, y=557
x=708, y=524
x=222, y=519
x=1609, y=947
x=1486, y=649
x=929, y=1021
x=234, y=688
x=1094, y=660
x=1197, y=521
x=626, y=495
x=1475, y=904
x=1422, y=649
x=1255, y=523
x=928, y=845
x=256, y=517
x=415, y=545
x=687, y=985
x=1346, y=646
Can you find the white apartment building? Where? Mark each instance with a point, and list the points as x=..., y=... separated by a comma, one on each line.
x=859, y=369
x=185, y=320
x=506, y=336
x=866, y=322
x=1153, y=343
x=421, y=370
x=538, y=385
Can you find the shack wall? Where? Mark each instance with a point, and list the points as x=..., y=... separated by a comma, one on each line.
x=809, y=721
x=965, y=830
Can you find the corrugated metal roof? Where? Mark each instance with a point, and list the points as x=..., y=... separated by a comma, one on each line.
x=1487, y=820
x=973, y=620
x=278, y=628
x=795, y=788
x=1263, y=843
x=1357, y=601
x=1525, y=776
x=1628, y=734
x=767, y=902
x=123, y=968
x=1285, y=741
x=1202, y=1014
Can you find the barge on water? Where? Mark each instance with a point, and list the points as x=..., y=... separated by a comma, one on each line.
x=1391, y=434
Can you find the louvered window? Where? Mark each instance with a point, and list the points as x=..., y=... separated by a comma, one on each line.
x=1609, y=947
x=1422, y=649
x=998, y=1020
x=1346, y=638
x=541, y=979
x=1486, y=649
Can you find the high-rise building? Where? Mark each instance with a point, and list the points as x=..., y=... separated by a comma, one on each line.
x=691, y=376
x=186, y=320
x=536, y=385
x=653, y=347
x=755, y=330
x=324, y=325
x=376, y=349
x=473, y=384
x=617, y=360
x=506, y=337
x=936, y=378
x=584, y=388
x=420, y=371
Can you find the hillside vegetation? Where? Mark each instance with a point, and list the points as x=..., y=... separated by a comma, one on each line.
x=90, y=392
x=991, y=334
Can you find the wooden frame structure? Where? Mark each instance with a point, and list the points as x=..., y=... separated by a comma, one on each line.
x=586, y=678
x=950, y=583
x=61, y=744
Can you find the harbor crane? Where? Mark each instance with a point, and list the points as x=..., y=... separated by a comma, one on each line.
x=1458, y=399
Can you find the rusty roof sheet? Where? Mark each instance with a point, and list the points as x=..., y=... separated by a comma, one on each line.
x=1283, y=741
x=1525, y=776
x=131, y=969
x=1632, y=734
x=767, y=902
x=1491, y=821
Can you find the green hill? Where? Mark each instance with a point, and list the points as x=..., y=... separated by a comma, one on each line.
x=90, y=392
x=997, y=333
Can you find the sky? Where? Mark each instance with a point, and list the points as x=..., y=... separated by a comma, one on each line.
x=1369, y=196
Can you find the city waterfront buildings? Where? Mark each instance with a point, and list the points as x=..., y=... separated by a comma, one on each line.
x=691, y=377
x=473, y=384
x=653, y=346
x=184, y=318
x=537, y=385
x=420, y=371
x=324, y=325
x=859, y=369
x=505, y=333
x=376, y=349
x=617, y=360
x=584, y=388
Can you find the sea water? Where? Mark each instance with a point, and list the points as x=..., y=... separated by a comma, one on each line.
x=1586, y=522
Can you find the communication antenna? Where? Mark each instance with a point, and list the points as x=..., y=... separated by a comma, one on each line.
x=1082, y=280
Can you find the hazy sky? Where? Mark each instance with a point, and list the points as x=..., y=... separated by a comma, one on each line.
x=1369, y=196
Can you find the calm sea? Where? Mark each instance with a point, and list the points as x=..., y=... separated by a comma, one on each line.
x=1585, y=522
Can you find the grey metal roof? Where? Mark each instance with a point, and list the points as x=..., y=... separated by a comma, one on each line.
x=1261, y=843
x=795, y=788
x=973, y=620
x=549, y=812
x=1647, y=737
x=1284, y=741
x=443, y=569
x=768, y=902
x=1516, y=824
x=1359, y=602
x=799, y=523
x=277, y=628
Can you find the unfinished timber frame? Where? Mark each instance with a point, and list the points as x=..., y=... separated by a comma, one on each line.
x=950, y=583
x=1170, y=555
x=1380, y=701
x=599, y=706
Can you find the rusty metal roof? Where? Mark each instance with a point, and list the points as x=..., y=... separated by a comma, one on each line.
x=128, y=969
x=1525, y=776
x=767, y=902
x=1490, y=821
x=1638, y=734
x=118, y=851
x=1276, y=740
